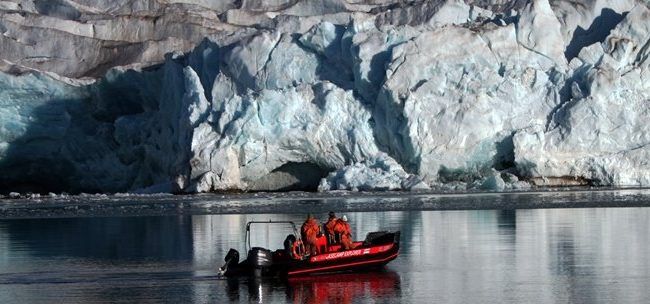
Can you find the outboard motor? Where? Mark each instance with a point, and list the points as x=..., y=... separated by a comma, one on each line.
x=232, y=258
x=260, y=258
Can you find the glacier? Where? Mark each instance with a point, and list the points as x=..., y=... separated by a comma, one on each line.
x=198, y=96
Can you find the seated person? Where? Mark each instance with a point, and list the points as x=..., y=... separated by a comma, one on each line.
x=342, y=228
x=309, y=232
x=329, y=228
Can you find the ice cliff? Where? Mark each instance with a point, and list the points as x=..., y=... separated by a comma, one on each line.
x=198, y=95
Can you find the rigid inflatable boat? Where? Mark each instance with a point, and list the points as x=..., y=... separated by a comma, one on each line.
x=376, y=250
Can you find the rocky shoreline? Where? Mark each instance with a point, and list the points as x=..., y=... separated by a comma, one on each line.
x=62, y=206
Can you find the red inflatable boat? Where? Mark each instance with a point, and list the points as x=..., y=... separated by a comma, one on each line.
x=376, y=250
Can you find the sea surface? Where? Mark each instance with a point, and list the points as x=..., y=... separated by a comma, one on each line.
x=572, y=255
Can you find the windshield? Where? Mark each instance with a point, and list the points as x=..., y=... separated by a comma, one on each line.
x=269, y=235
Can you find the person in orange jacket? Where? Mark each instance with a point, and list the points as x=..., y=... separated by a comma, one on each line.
x=309, y=231
x=329, y=228
x=343, y=229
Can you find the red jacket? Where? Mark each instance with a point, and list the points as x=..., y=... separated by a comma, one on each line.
x=310, y=228
x=329, y=226
x=343, y=228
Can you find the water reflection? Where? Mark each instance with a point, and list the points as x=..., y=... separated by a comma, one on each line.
x=507, y=220
x=541, y=256
x=344, y=288
x=157, y=238
x=341, y=288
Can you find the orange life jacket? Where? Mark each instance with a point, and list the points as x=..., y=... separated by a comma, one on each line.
x=329, y=228
x=310, y=228
x=342, y=227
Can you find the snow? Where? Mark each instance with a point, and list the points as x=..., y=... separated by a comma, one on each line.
x=363, y=96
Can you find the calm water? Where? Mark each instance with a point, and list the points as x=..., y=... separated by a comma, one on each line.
x=492, y=256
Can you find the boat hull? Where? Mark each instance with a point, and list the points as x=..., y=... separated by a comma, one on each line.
x=349, y=260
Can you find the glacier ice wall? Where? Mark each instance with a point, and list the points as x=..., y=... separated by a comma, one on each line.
x=199, y=96
x=379, y=172
x=600, y=132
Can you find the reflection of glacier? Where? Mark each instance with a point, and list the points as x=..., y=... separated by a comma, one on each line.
x=73, y=254
x=214, y=235
x=4, y=244
x=541, y=256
